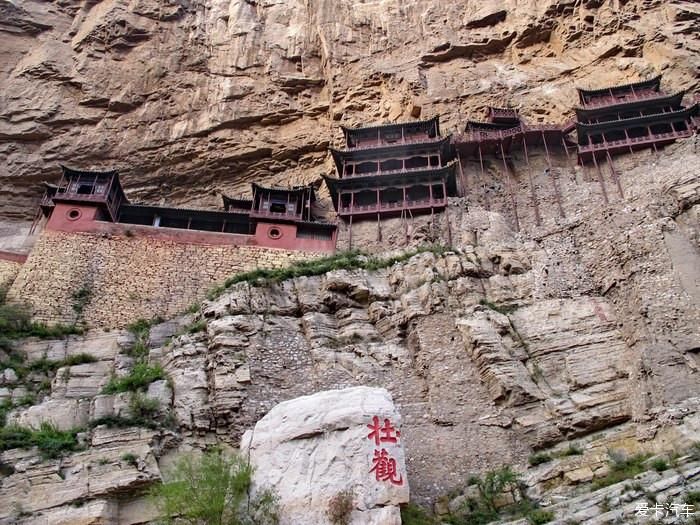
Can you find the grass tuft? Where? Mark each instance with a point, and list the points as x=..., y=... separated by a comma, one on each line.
x=139, y=378
x=622, y=469
x=348, y=260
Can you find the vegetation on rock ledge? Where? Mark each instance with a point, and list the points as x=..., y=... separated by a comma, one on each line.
x=348, y=260
x=15, y=323
x=50, y=441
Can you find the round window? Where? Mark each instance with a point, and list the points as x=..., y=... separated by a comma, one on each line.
x=274, y=233
x=74, y=214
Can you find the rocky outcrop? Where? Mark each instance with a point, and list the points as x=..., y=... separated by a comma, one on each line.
x=314, y=449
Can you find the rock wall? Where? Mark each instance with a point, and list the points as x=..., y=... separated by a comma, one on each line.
x=8, y=272
x=124, y=278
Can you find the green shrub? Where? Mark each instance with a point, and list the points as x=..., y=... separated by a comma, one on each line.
x=492, y=486
x=15, y=323
x=539, y=517
x=573, y=450
x=78, y=359
x=27, y=400
x=692, y=498
x=349, y=260
x=5, y=407
x=15, y=437
x=412, y=514
x=131, y=459
x=538, y=459
x=139, y=378
x=142, y=407
x=80, y=298
x=142, y=331
x=143, y=412
x=212, y=489
x=659, y=464
x=51, y=442
x=197, y=326
x=621, y=469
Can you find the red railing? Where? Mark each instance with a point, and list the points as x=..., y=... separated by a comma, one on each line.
x=648, y=139
x=392, y=206
x=275, y=214
x=391, y=172
x=504, y=113
x=423, y=139
x=611, y=101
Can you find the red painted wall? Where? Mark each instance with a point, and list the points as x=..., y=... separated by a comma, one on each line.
x=81, y=218
x=286, y=238
x=13, y=257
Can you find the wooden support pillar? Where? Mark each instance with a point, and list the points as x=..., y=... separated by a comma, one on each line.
x=447, y=221
x=653, y=142
x=533, y=194
x=614, y=175
x=350, y=234
x=513, y=202
x=405, y=225
x=628, y=140
x=555, y=181
x=379, y=228
x=483, y=178
x=600, y=178
x=463, y=179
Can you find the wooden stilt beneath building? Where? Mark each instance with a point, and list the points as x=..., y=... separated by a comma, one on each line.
x=533, y=194
x=615, y=176
x=555, y=182
x=487, y=201
x=509, y=185
x=600, y=179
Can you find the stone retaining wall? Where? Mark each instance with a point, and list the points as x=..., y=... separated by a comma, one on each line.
x=8, y=272
x=126, y=278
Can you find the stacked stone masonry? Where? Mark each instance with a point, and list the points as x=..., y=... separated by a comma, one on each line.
x=8, y=272
x=128, y=277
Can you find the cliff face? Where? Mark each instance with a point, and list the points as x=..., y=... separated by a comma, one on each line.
x=581, y=328
x=190, y=97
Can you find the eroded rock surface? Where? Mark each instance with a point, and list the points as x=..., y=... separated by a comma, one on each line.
x=312, y=449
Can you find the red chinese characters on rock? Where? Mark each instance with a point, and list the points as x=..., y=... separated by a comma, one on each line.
x=384, y=466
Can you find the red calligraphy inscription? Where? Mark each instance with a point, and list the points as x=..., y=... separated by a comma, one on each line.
x=383, y=465
x=385, y=468
x=383, y=434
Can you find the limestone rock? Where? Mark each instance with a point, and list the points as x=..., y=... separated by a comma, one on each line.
x=314, y=447
x=65, y=414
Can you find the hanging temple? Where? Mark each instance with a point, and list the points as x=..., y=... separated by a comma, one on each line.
x=391, y=170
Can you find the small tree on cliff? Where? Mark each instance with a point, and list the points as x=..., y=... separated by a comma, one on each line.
x=212, y=489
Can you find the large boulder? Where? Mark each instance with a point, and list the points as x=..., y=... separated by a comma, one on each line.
x=315, y=449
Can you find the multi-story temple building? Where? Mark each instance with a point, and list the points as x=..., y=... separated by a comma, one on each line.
x=392, y=170
x=274, y=217
x=630, y=117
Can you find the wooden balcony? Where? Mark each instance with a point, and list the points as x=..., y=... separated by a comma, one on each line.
x=275, y=215
x=600, y=102
x=392, y=172
x=634, y=143
x=392, y=207
x=421, y=139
